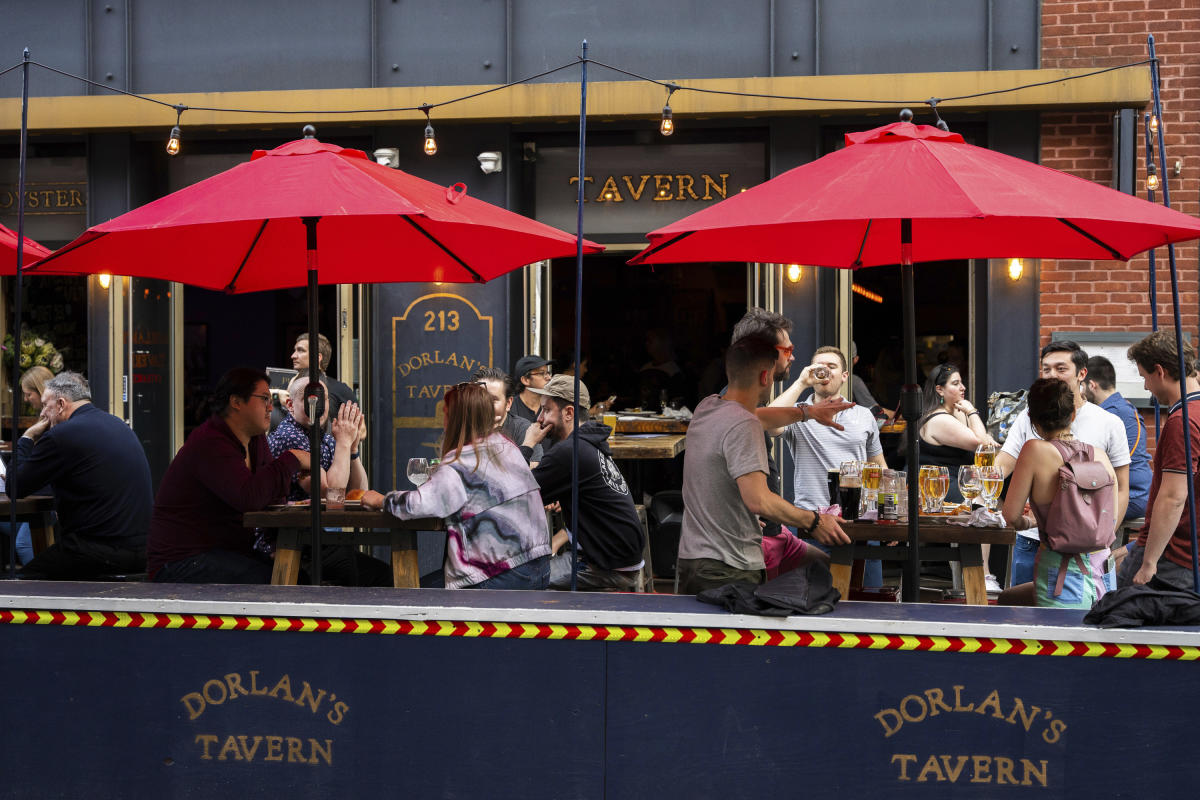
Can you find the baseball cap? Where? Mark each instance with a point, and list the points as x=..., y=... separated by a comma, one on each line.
x=563, y=387
x=527, y=364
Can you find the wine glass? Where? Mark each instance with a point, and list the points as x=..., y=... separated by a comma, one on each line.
x=969, y=483
x=940, y=486
x=418, y=470
x=985, y=455
x=992, y=479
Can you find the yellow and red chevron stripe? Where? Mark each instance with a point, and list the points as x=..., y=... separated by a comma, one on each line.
x=602, y=633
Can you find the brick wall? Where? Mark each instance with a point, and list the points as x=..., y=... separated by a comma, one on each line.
x=1112, y=295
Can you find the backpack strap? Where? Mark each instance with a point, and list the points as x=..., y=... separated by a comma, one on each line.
x=1141, y=424
x=1062, y=570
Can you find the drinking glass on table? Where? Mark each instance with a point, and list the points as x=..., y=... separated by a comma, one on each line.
x=928, y=479
x=970, y=483
x=871, y=473
x=985, y=455
x=940, y=487
x=992, y=479
x=850, y=489
x=418, y=470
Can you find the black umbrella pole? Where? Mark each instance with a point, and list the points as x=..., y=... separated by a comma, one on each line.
x=314, y=378
x=910, y=409
x=16, y=354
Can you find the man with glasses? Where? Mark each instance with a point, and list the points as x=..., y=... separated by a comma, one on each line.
x=101, y=481
x=223, y=470
x=533, y=373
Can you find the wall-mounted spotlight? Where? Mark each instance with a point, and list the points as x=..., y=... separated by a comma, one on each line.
x=388, y=157
x=490, y=161
x=1015, y=269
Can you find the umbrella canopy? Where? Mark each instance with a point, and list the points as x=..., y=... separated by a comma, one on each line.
x=242, y=230
x=844, y=210
x=8, y=252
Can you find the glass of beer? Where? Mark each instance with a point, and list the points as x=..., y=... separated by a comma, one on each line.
x=927, y=476
x=871, y=474
x=969, y=483
x=985, y=455
x=992, y=479
x=940, y=486
x=850, y=489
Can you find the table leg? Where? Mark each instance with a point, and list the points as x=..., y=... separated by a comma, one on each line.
x=973, y=574
x=841, y=560
x=287, y=566
x=42, y=532
x=406, y=573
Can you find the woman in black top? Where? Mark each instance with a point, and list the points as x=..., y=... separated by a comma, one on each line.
x=950, y=428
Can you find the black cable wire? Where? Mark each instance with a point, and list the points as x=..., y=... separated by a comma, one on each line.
x=10, y=69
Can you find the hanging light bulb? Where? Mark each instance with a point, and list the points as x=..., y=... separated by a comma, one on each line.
x=430, y=139
x=1015, y=269
x=1152, y=181
x=173, y=139
x=1154, y=123
x=794, y=271
x=667, y=126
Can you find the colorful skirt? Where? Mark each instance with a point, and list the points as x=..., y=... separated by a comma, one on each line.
x=1089, y=576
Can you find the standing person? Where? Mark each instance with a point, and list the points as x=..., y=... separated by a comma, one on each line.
x=223, y=470
x=817, y=448
x=496, y=533
x=340, y=466
x=725, y=487
x=1035, y=478
x=1100, y=387
x=1068, y=362
x=101, y=481
x=338, y=392
x=532, y=374
x=610, y=538
x=499, y=387
x=950, y=428
x=1164, y=544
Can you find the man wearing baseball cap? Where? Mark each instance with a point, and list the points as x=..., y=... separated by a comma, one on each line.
x=531, y=373
x=610, y=536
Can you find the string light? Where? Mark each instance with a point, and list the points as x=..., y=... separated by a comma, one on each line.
x=867, y=293
x=1015, y=269
x=430, y=139
x=1154, y=123
x=667, y=126
x=173, y=139
x=1152, y=181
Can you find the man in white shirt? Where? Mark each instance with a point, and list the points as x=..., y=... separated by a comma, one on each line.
x=1099, y=428
x=817, y=448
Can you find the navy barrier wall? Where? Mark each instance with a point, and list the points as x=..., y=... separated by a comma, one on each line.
x=128, y=691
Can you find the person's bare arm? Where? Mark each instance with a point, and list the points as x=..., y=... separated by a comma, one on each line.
x=1005, y=462
x=760, y=500
x=1019, y=489
x=1169, y=504
x=775, y=419
x=945, y=429
x=1122, y=474
x=878, y=459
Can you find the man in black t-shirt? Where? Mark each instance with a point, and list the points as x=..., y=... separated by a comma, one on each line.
x=610, y=537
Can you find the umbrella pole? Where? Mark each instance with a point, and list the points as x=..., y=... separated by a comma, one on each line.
x=910, y=409
x=314, y=391
x=16, y=368
x=580, y=413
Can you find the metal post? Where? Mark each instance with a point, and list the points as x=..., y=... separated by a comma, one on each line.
x=579, y=412
x=1187, y=428
x=910, y=408
x=314, y=400
x=1153, y=274
x=11, y=485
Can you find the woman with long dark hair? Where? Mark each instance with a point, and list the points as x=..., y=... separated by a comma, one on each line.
x=950, y=428
x=496, y=533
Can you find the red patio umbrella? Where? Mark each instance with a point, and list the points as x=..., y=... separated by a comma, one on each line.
x=903, y=193
x=262, y=224
x=8, y=252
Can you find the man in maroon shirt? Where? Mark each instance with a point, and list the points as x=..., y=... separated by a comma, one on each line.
x=1164, y=545
x=223, y=470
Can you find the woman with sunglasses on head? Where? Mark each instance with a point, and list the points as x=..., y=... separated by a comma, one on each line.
x=496, y=533
x=950, y=428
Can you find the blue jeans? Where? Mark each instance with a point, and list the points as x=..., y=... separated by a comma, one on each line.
x=533, y=574
x=24, y=542
x=1024, y=553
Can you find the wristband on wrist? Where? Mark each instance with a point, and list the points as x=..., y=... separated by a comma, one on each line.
x=976, y=413
x=807, y=532
x=354, y=455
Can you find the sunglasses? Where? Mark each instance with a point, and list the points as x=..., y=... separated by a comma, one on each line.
x=786, y=349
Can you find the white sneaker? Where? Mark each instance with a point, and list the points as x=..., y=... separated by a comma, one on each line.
x=992, y=585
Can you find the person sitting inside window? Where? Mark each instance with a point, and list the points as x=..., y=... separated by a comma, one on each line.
x=496, y=532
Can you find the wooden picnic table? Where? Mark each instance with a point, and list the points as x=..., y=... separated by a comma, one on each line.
x=371, y=527
x=940, y=541
x=38, y=511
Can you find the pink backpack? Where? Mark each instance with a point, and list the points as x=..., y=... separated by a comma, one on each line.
x=1081, y=518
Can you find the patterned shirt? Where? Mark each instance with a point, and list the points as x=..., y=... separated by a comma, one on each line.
x=290, y=436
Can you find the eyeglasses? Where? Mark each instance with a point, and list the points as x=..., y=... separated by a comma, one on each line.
x=786, y=349
x=266, y=398
x=542, y=373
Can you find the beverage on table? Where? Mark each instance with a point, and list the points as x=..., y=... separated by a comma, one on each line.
x=871, y=473
x=985, y=455
x=969, y=483
x=927, y=478
x=850, y=489
x=889, y=498
x=992, y=480
x=418, y=470
x=941, y=487
x=834, y=480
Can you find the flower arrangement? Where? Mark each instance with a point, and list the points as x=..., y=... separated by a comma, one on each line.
x=35, y=351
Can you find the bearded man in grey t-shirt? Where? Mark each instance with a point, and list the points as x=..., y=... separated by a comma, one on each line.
x=725, y=475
